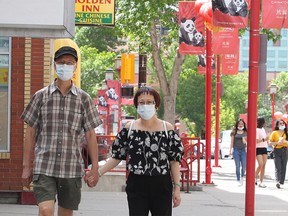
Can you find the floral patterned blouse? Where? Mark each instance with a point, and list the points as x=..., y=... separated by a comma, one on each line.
x=148, y=153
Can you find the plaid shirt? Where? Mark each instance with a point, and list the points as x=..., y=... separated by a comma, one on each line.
x=59, y=122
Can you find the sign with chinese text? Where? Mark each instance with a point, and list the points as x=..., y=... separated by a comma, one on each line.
x=225, y=40
x=274, y=14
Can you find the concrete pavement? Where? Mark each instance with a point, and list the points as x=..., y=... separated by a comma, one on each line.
x=224, y=197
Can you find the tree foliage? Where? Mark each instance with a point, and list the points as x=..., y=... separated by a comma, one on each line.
x=93, y=67
x=101, y=38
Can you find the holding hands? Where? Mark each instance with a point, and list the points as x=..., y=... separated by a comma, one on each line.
x=91, y=177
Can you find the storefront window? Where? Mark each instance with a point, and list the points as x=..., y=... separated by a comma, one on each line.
x=4, y=93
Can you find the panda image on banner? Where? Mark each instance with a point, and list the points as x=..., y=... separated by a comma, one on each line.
x=198, y=39
x=112, y=94
x=187, y=30
x=220, y=5
x=238, y=8
x=202, y=60
x=101, y=101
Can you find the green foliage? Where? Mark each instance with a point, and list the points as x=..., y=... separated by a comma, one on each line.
x=190, y=100
x=93, y=67
x=101, y=38
x=235, y=93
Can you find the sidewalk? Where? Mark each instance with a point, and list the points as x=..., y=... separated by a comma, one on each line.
x=225, y=197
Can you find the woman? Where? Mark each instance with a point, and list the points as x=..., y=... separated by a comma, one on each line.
x=261, y=151
x=238, y=143
x=278, y=139
x=154, y=151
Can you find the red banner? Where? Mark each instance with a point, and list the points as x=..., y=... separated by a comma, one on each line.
x=113, y=92
x=230, y=62
x=230, y=13
x=202, y=64
x=225, y=40
x=127, y=101
x=102, y=100
x=191, y=30
x=274, y=14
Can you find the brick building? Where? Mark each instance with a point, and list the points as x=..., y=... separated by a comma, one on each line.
x=25, y=67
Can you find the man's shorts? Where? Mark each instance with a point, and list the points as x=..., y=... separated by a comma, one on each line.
x=68, y=190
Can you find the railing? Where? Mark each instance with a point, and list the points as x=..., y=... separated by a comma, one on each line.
x=193, y=152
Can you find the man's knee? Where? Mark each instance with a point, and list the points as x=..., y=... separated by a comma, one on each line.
x=46, y=208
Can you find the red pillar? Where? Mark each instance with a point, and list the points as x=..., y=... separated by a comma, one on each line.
x=208, y=105
x=217, y=113
x=252, y=107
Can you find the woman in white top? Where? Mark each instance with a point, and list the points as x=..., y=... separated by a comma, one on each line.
x=261, y=151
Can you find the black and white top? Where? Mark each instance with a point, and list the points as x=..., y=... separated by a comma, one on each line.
x=149, y=153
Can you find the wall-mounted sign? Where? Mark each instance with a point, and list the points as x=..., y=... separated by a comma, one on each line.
x=94, y=12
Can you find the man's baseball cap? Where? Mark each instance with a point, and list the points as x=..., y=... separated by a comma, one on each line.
x=65, y=50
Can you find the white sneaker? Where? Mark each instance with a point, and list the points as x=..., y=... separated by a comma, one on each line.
x=240, y=183
x=262, y=185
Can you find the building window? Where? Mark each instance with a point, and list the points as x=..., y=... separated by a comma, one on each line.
x=282, y=54
x=5, y=47
x=282, y=64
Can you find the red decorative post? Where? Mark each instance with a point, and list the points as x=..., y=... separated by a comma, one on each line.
x=208, y=105
x=252, y=107
x=217, y=112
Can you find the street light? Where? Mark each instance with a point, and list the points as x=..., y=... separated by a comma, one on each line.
x=109, y=74
x=273, y=91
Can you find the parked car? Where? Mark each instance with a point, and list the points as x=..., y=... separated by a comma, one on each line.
x=225, y=140
x=212, y=148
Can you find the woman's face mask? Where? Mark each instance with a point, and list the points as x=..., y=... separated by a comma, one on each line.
x=146, y=112
x=281, y=127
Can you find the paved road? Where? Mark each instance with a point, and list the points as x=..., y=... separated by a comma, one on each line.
x=224, y=197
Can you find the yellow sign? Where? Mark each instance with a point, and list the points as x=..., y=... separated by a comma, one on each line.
x=127, y=73
x=58, y=43
x=4, y=76
x=94, y=12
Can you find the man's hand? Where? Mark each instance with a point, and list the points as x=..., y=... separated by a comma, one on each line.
x=26, y=177
x=91, y=177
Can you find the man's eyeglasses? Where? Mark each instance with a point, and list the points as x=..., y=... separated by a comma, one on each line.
x=146, y=102
x=67, y=63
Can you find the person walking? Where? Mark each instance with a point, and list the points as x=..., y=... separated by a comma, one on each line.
x=279, y=140
x=239, y=144
x=261, y=151
x=154, y=151
x=56, y=117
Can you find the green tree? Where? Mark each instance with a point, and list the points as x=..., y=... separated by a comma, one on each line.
x=93, y=67
x=141, y=21
x=101, y=38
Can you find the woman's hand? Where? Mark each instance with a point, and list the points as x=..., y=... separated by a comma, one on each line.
x=176, y=197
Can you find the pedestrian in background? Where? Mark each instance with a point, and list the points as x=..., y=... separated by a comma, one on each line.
x=154, y=150
x=279, y=140
x=239, y=144
x=261, y=151
x=56, y=117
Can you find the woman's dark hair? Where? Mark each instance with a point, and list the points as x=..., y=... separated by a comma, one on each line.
x=236, y=126
x=147, y=90
x=260, y=122
x=277, y=127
